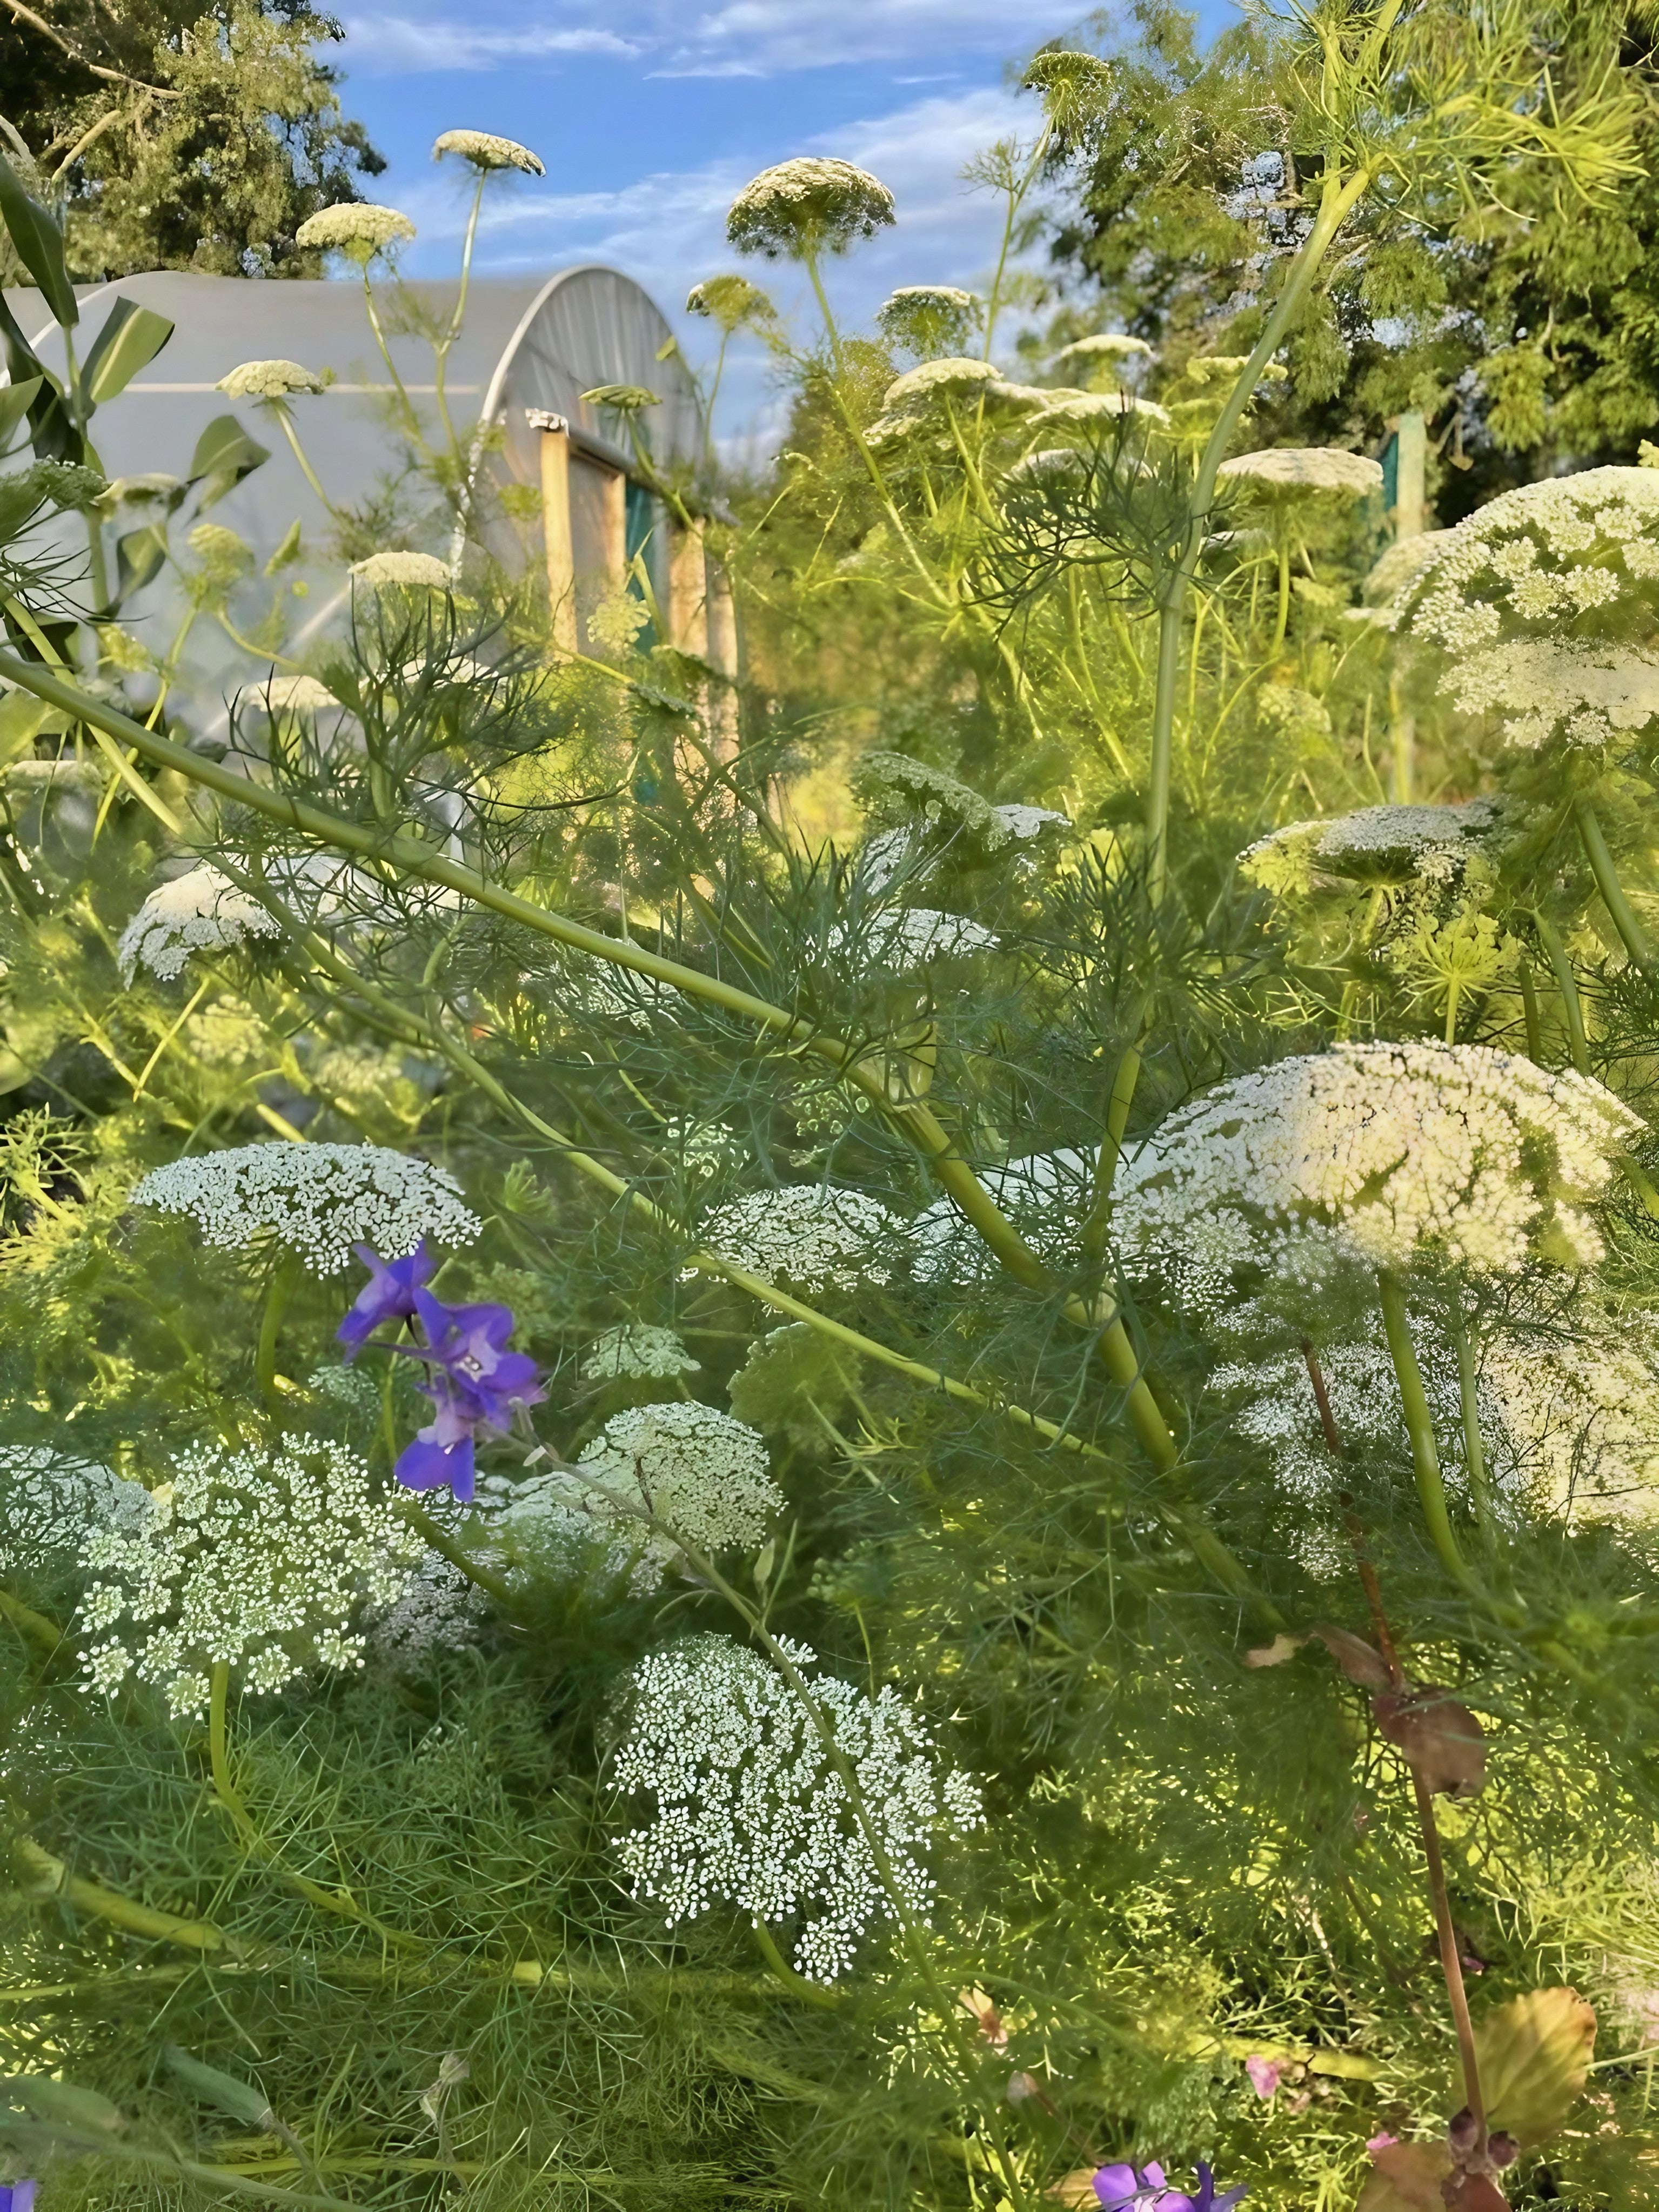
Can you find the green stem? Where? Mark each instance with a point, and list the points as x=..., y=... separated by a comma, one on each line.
x=1572, y=1010
x=1630, y=931
x=1474, y=1450
x=285, y=418
x=284, y=1281
x=411, y=419
x=1529, y=1014
x=1284, y=620
x=1419, y=1427
x=441, y=352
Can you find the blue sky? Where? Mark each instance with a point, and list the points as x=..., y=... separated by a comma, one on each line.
x=650, y=114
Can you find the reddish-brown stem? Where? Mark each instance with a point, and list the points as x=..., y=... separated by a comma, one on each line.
x=1451, y=1964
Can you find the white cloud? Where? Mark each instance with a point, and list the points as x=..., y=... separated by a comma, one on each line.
x=401, y=45
x=741, y=38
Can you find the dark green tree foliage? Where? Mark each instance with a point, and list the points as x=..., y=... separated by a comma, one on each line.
x=1526, y=329
x=181, y=137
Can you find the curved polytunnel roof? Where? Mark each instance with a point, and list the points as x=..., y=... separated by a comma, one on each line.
x=525, y=345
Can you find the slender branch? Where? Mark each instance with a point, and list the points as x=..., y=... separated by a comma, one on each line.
x=1419, y=1427
x=1630, y=931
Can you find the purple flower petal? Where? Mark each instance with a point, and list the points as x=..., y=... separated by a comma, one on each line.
x=427, y=1464
x=389, y=1294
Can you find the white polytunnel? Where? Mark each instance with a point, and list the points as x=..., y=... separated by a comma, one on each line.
x=525, y=353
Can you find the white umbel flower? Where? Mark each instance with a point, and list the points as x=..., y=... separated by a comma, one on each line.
x=809, y=206
x=637, y=1349
x=292, y=695
x=357, y=229
x=809, y=1234
x=52, y=1500
x=483, y=150
x=413, y=572
x=1589, y=694
x=1047, y=1196
x=705, y=1474
x=751, y=1811
x=955, y=373
x=269, y=380
x=265, y=1565
x=1092, y=406
x=1381, y=842
x=909, y=937
x=201, y=911
x=1537, y=557
x=1378, y=1155
x=1283, y=469
x=1103, y=345
x=316, y=1200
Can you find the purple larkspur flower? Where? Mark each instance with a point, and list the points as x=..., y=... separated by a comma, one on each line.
x=388, y=1295
x=476, y=1381
x=17, y=2196
x=1119, y=2188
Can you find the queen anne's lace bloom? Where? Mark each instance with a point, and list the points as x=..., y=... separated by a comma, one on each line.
x=751, y=1809
x=1377, y=1155
x=357, y=228
x=908, y=937
x=929, y=318
x=316, y=1200
x=955, y=373
x=890, y=783
x=292, y=695
x=51, y=1501
x=1088, y=406
x=1587, y=694
x=809, y=1235
x=704, y=1474
x=440, y=1611
x=484, y=150
x=1103, y=345
x=201, y=911
x=808, y=206
x=636, y=1348
x=1385, y=841
x=410, y=571
x=1536, y=556
x=1307, y=468
x=262, y=1564
x=269, y=380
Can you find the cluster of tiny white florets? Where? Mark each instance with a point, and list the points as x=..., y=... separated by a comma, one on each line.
x=752, y=1810
x=269, y=380
x=440, y=1611
x=930, y=318
x=316, y=1200
x=1379, y=1155
x=201, y=911
x=1047, y=1196
x=704, y=1474
x=355, y=227
x=405, y=571
x=1282, y=469
x=808, y=206
x=51, y=1501
x=608, y=992
x=531, y=1527
x=953, y=373
x=1536, y=556
x=908, y=937
x=291, y=695
x=262, y=1564
x=1589, y=694
x=1374, y=841
x=810, y=1234
x=636, y=1348
x=483, y=150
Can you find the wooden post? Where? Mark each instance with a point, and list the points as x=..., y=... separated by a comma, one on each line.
x=723, y=655
x=1411, y=461
x=558, y=541
x=614, y=528
x=1411, y=457
x=688, y=590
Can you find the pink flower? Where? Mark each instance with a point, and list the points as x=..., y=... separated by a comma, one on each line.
x=1384, y=2142
x=1265, y=2075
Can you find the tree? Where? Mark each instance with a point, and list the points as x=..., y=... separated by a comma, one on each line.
x=1527, y=330
x=176, y=135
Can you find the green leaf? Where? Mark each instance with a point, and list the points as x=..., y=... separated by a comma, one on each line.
x=60, y=2103
x=286, y=553
x=224, y=455
x=139, y=558
x=39, y=245
x=130, y=340
x=241, y=2100
x=16, y=400
x=51, y=427
x=1535, y=2055
x=1406, y=2177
